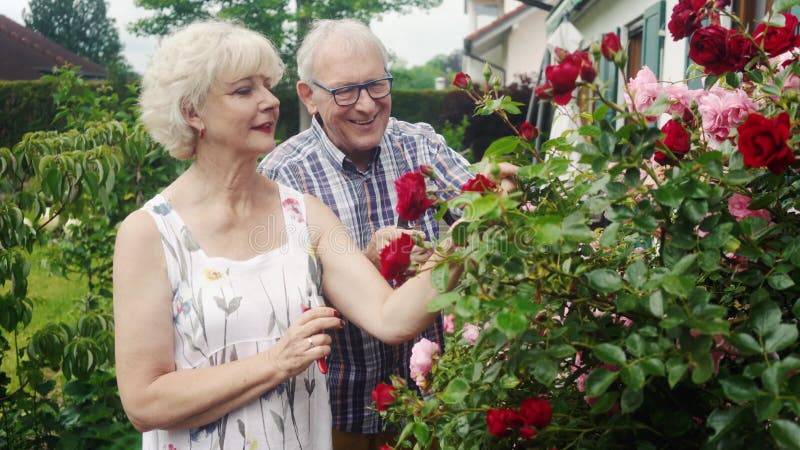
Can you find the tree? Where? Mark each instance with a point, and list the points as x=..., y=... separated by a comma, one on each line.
x=424, y=76
x=282, y=22
x=82, y=26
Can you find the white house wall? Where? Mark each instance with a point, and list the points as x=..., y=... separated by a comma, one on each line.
x=603, y=16
x=526, y=46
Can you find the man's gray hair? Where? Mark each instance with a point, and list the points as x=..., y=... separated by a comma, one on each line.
x=350, y=32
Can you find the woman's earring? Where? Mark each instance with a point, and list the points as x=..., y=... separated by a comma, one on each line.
x=202, y=133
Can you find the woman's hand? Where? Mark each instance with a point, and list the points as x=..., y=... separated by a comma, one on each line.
x=305, y=340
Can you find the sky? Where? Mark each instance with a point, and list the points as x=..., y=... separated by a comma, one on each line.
x=414, y=38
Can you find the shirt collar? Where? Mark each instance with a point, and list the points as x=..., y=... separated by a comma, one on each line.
x=336, y=156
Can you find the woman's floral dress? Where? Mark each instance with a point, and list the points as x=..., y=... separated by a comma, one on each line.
x=224, y=310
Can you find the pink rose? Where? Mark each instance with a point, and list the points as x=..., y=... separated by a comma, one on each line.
x=723, y=109
x=644, y=88
x=738, y=206
x=471, y=333
x=422, y=360
x=449, y=322
x=681, y=99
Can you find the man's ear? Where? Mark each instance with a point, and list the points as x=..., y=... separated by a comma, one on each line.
x=306, y=93
x=190, y=115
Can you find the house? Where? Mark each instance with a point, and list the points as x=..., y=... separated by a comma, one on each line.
x=27, y=55
x=512, y=41
x=642, y=27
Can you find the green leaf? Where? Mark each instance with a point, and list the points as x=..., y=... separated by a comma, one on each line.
x=610, y=353
x=589, y=130
x=739, y=389
x=547, y=229
x=574, y=228
x=796, y=309
x=598, y=381
x=653, y=366
x=633, y=376
x=767, y=407
x=745, y=343
x=631, y=400
x=780, y=338
x=786, y=433
x=605, y=402
x=703, y=369
x=635, y=344
x=764, y=317
x=440, y=277
x=511, y=324
x=480, y=207
x=723, y=420
x=560, y=351
x=442, y=301
x=738, y=177
x=695, y=210
x=609, y=236
x=455, y=391
x=604, y=280
x=679, y=286
x=675, y=372
x=509, y=381
x=669, y=195
x=780, y=281
x=636, y=274
x=545, y=371
x=502, y=146
x=684, y=264
x=421, y=432
x=655, y=304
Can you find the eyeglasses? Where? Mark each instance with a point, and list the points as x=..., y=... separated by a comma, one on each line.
x=348, y=95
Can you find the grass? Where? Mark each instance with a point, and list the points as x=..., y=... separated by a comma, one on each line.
x=55, y=299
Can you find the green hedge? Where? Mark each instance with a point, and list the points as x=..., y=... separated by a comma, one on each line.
x=28, y=106
x=25, y=106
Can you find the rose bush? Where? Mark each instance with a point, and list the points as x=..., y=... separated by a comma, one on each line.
x=639, y=289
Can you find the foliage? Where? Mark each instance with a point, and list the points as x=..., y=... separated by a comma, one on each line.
x=25, y=106
x=285, y=23
x=82, y=26
x=647, y=304
x=65, y=394
x=424, y=76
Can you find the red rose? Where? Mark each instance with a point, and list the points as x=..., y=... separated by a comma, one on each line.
x=502, y=422
x=676, y=138
x=395, y=258
x=478, y=184
x=610, y=46
x=762, y=142
x=383, y=395
x=740, y=50
x=685, y=19
x=584, y=61
x=528, y=131
x=527, y=432
x=536, y=412
x=708, y=48
x=562, y=78
x=777, y=40
x=462, y=81
x=412, y=199
x=544, y=91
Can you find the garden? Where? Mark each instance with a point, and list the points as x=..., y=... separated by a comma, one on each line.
x=637, y=290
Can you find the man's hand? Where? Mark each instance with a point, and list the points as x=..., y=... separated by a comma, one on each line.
x=383, y=236
x=503, y=173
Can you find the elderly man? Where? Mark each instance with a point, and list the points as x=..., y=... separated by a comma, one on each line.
x=350, y=158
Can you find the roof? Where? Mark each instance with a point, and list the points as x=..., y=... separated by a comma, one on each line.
x=27, y=55
x=498, y=24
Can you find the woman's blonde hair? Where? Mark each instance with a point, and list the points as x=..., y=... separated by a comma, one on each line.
x=186, y=66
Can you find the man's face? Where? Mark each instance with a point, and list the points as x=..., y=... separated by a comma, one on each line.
x=358, y=128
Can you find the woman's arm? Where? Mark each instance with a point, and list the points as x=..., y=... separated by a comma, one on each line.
x=153, y=393
x=358, y=291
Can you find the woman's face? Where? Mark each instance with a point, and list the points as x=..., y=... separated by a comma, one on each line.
x=241, y=115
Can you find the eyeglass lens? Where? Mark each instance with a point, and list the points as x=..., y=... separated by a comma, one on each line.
x=376, y=89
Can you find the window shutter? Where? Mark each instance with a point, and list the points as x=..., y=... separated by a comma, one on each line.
x=652, y=37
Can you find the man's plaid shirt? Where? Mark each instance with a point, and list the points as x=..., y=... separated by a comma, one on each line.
x=365, y=201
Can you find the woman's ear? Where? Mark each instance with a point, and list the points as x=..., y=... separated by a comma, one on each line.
x=192, y=118
x=306, y=94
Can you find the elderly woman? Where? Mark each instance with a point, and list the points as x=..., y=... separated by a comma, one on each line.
x=217, y=290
